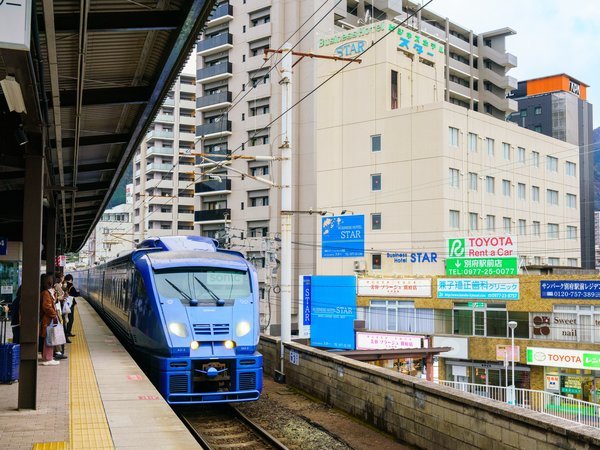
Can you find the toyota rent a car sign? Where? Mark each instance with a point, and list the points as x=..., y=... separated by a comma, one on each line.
x=484, y=255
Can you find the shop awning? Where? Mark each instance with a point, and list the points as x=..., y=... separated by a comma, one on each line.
x=377, y=355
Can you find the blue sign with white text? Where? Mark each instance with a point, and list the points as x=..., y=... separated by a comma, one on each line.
x=343, y=236
x=570, y=289
x=3, y=246
x=333, y=311
x=306, y=299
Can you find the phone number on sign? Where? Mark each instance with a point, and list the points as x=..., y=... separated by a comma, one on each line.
x=487, y=271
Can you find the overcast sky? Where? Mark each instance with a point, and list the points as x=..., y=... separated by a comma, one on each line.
x=552, y=36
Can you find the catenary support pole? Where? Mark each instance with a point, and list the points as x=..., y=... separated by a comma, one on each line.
x=30, y=290
x=286, y=198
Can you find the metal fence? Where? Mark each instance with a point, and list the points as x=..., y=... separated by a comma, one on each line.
x=571, y=409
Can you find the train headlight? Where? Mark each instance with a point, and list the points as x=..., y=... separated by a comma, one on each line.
x=178, y=329
x=229, y=344
x=242, y=328
x=194, y=345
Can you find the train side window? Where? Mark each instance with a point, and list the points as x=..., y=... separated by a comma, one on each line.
x=140, y=289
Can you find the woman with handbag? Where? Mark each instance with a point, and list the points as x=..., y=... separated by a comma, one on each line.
x=48, y=315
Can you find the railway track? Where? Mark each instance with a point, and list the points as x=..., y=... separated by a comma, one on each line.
x=219, y=427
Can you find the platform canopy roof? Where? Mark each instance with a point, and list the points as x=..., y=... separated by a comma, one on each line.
x=92, y=82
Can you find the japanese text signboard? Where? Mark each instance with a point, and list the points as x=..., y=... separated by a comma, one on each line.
x=384, y=341
x=343, y=236
x=478, y=288
x=486, y=255
x=390, y=287
x=565, y=358
x=570, y=289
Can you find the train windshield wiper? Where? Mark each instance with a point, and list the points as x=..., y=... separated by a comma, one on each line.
x=220, y=301
x=186, y=296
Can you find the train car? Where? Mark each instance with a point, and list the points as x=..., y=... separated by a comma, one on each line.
x=190, y=311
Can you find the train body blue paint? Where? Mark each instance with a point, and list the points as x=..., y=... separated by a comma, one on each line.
x=190, y=310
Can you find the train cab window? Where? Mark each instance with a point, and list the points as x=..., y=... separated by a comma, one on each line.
x=207, y=286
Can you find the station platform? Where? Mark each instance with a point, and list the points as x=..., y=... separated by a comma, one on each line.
x=98, y=398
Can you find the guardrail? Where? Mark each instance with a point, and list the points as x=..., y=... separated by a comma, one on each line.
x=567, y=408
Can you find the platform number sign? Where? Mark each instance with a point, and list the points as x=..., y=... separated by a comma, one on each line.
x=294, y=358
x=3, y=246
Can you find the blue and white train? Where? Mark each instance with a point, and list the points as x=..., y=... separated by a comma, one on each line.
x=190, y=310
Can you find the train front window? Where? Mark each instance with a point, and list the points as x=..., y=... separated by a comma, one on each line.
x=206, y=286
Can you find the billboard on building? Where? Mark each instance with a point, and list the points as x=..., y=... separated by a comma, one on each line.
x=342, y=236
x=478, y=288
x=333, y=310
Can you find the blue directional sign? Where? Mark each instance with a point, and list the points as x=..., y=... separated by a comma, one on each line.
x=343, y=236
x=3, y=246
x=570, y=289
x=306, y=299
x=333, y=311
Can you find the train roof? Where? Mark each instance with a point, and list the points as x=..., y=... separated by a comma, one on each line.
x=196, y=258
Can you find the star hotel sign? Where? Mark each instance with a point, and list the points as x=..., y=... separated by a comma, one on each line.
x=15, y=24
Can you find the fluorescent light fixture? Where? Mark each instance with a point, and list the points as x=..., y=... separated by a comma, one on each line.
x=13, y=95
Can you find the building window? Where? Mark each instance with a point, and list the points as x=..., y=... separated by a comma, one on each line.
x=394, y=90
x=552, y=231
x=391, y=315
x=554, y=261
x=260, y=17
x=258, y=171
x=521, y=155
x=535, y=194
x=552, y=197
x=571, y=232
x=537, y=128
x=376, y=221
x=571, y=201
x=570, y=169
x=490, y=187
x=474, y=319
x=490, y=222
x=535, y=159
x=454, y=219
x=506, y=188
x=472, y=143
x=507, y=224
x=453, y=137
x=521, y=191
x=537, y=260
x=258, y=228
x=572, y=262
x=376, y=182
x=522, y=227
x=490, y=147
x=536, y=229
x=473, y=222
x=376, y=261
x=258, y=198
x=472, y=181
x=523, y=112
x=537, y=110
x=376, y=143
x=454, y=178
x=506, y=151
x=551, y=164
x=258, y=107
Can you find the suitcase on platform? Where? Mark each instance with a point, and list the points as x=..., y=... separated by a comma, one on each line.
x=10, y=356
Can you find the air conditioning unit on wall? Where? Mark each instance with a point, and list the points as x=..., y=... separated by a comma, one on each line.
x=360, y=265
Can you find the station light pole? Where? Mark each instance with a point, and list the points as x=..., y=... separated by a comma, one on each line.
x=512, y=325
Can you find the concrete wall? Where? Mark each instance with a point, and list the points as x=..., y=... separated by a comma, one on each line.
x=421, y=413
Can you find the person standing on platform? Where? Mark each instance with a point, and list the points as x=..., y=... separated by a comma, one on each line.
x=47, y=315
x=59, y=350
x=72, y=292
x=14, y=310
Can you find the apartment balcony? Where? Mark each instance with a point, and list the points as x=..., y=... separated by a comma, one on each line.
x=187, y=136
x=186, y=201
x=461, y=67
x=137, y=157
x=169, y=102
x=214, y=129
x=461, y=91
x=187, y=104
x=216, y=44
x=213, y=101
x=258, y=122
x=221, y=14
x=188, y=88
x=260, y=31
x=504, y=59
x=214, y=73
x=158, y=167
x=159, y=151
x=502, y=81
x=187, y=120
x=257, y=212
x=185, y=216
x=212, y=216
x=137, y=174
x=165, y=118
x=506, y=105
x=213, y=187
x=157, y=216
x=214, y=156
x=160, y=135
x=158, y=183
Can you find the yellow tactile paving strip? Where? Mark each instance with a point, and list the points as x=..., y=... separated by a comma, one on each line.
x=89, y=427
x=51, y=446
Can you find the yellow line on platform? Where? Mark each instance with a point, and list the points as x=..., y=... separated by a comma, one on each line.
x=51, y=446
x=89, y=427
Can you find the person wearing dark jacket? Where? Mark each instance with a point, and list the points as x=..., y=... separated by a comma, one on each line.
x=72, y=292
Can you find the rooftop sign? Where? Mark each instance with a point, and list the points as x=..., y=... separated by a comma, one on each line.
x=486, y=255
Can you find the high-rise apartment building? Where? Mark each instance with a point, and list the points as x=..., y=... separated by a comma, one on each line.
x=557, y=106
x=163, y=178
x=239, y=98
